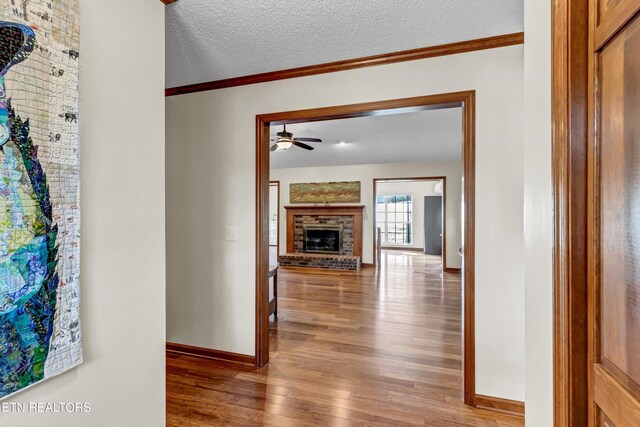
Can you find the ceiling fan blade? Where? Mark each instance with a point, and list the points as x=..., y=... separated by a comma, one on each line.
x=274, y=147
x=301, y=145
x=308, y=139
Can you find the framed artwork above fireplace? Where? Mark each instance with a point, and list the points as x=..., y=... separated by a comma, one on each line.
x=325, y=192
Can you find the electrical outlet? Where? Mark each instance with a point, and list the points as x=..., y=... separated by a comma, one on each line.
x=232, y=234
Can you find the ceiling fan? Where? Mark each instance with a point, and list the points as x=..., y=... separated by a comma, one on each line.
x=284, y=140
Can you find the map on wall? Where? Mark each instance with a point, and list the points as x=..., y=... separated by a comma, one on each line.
x=39, y=191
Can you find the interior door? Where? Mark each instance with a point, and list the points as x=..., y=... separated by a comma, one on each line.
x=614, y=271
x=433, y=225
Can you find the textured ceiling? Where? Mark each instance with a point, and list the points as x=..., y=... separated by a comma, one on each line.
x=425, y=136
x=214, y=39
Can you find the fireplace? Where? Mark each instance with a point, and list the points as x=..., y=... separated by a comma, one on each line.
x=323, y=239
x=324, y=236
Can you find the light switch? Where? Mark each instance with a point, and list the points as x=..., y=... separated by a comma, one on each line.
x=232, y=234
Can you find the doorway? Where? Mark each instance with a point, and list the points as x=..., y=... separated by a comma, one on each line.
x=410, y=215
x=464, y=100
x=274, y=221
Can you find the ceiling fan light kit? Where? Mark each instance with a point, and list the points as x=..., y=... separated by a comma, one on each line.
x=284, y=140
x=284, y=144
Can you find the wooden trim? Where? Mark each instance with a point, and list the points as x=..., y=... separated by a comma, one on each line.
x=168, y=1
x=464, y=99
x=497, y=404
x=262, y=245
x=356, y=211
x=322, y=209
x=209, y=353
x=452, y=270
x=469, y=249
x=277, y=183
x=367, y=109
x=569, y=159
x=350, y=64
x=444, y=211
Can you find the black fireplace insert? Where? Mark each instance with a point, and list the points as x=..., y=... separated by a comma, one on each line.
x=323, y=238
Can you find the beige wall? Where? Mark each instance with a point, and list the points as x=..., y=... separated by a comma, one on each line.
x=122, y=197
x=538, y=214
x=365, y=174
x=211, y=185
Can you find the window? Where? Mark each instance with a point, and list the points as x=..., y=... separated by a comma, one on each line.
x=394, y=215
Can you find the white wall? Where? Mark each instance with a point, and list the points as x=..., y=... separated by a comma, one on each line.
x=538, y=214
x=365, y=174
x=122, y=197
x=211, y=184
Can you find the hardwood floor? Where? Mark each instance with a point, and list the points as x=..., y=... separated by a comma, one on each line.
x=371, y=348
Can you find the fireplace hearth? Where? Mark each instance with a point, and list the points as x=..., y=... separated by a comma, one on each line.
x=323, y=239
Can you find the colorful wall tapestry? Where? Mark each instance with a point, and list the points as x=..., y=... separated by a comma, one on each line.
x=39, y=191
x=325, y=192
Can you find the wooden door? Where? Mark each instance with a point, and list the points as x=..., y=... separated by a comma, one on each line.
x=614, y=220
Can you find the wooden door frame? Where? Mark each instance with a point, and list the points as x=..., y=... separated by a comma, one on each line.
x=444, y=211
x=571, y=93
x=465, y=99
x=276, y=183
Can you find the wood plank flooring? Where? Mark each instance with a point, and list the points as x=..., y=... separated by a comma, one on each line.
x=372, y=348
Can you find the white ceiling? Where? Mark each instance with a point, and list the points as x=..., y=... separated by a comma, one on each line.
x=214, y=39
x=425, y=136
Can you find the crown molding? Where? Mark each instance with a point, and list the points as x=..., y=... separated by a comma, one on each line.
x=349, y=64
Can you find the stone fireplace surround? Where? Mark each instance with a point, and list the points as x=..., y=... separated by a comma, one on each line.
x=349, y=216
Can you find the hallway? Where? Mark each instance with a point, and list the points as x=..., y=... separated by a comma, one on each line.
x=367, y=348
